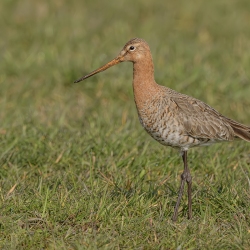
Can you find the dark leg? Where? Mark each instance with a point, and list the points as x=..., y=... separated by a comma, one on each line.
x=189, y=183
x=185, y=176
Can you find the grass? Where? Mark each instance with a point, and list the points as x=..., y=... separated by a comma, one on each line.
x=77, y=171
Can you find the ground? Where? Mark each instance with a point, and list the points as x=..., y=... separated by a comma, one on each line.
x=77, y=171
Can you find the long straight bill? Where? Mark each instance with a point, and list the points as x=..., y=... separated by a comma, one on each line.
x=106, y=66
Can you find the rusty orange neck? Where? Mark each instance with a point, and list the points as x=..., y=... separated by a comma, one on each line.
x=144, y=85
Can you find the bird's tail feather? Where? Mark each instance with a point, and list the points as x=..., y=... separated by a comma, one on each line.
x=242, y=131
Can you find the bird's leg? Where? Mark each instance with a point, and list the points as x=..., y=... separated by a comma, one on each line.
x=188, y=178
x=174, y=218
x=185, y=176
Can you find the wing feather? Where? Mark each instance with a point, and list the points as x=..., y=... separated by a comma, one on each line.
x=202, y=121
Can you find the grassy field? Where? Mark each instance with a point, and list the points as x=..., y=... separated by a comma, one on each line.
x=77, y=171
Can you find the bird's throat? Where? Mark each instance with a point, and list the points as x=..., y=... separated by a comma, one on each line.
x=144, y=85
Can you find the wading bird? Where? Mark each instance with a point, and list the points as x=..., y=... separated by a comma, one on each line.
x=171, y=118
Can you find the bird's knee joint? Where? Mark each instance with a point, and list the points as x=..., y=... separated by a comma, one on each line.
x=186, y=176
x=189, y=178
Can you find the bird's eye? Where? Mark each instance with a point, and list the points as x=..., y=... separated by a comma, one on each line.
x=131, y=48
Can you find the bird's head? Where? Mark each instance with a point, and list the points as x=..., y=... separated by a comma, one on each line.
x=133, y=51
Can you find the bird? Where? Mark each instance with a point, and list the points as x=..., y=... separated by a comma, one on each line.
x=172, y=118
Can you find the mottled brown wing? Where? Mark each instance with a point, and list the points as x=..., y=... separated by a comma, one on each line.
x=201, y=121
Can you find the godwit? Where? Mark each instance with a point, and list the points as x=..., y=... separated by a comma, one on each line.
x=172, y=118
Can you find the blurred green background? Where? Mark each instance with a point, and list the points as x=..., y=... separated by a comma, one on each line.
x=77, y=171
